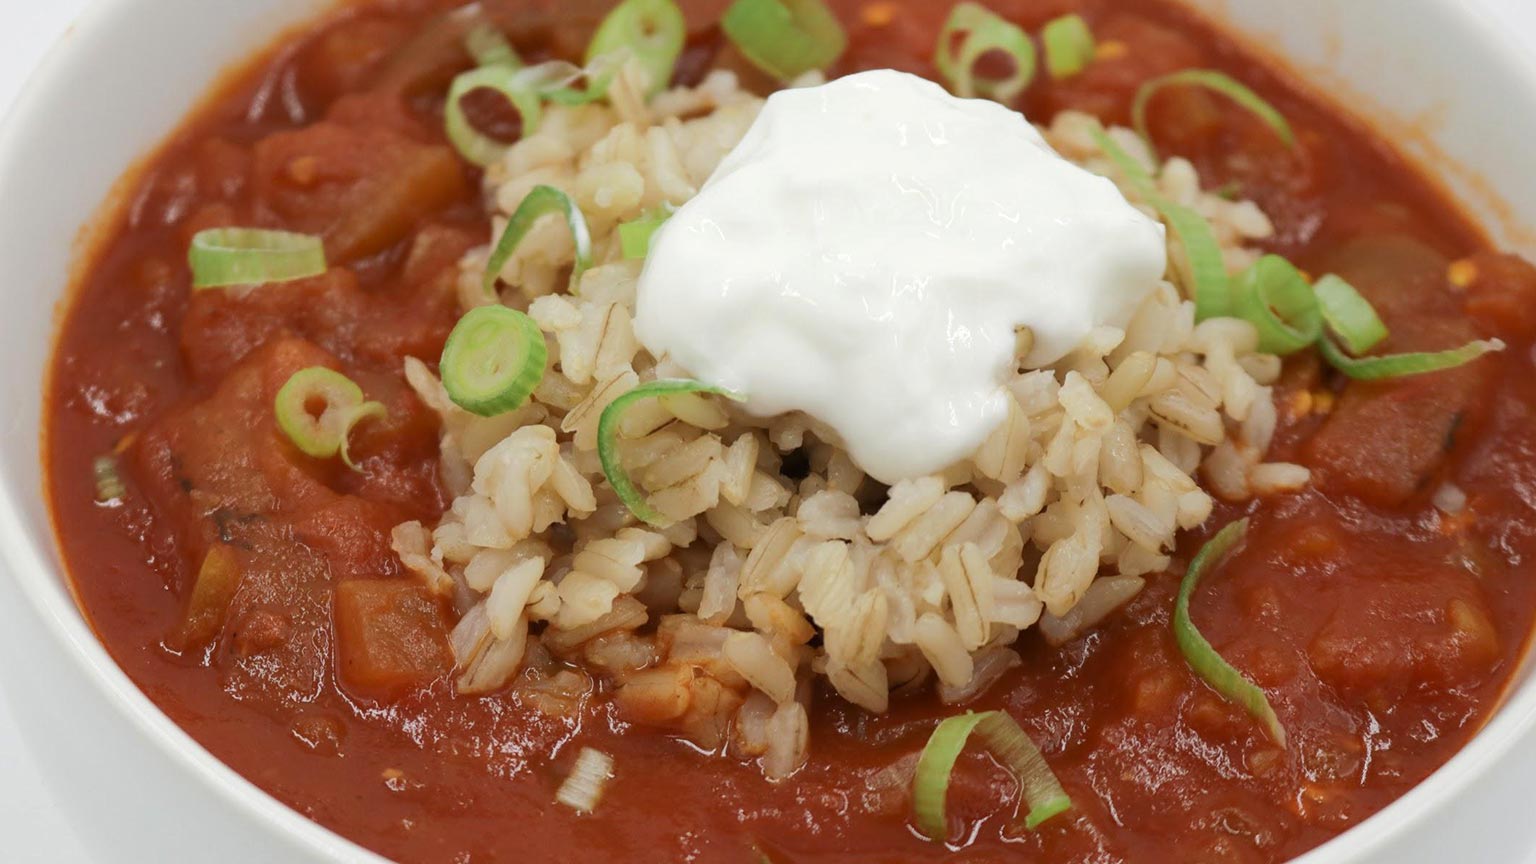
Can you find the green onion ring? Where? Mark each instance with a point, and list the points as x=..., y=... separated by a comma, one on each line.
x=327, y=434
x=489, y=47
x=1002, y=736
x=1210, y=285
x=542, y=201
x=1202, y=658
x=493, y=360
x=785, y=38
x=1404, y=365
x=514, y=84
x=651, y=31
x=1349, y=315
x=984, y=32
x=109, y=481
x=1219, y=82
x=608, y=440
x=599, y=75
x=1274, y=297
x=1069, y=46
x=635, y=235
x=221, y=257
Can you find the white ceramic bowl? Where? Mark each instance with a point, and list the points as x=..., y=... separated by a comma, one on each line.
x=138, y=789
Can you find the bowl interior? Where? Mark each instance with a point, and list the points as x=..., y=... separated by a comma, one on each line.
x=1431, y=74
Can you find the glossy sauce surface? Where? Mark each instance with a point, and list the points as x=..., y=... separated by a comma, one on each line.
x=1383, y=630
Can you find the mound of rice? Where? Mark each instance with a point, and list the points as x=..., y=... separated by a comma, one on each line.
x=783, y=563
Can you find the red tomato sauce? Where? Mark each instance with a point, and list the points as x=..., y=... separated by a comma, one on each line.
x=1383, y=630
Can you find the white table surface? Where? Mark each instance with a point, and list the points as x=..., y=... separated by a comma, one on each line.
x=31, y=828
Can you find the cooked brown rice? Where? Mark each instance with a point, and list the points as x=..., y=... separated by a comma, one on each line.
x=716, y=626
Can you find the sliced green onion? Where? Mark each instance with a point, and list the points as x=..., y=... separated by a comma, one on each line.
x=1069, y=46
x=608, y=440
x=1274, y=296
x=1002, y=736
x=984, y=32
x=785, y=38
x=651, y=31
x=489, y=47
x=493, y=360
x=341, y=406
x=542, y=201
x=1219, y=82
x=221, y=257
x=1209, y=665
x=512, y=83
x=109, y=483
x=635, y=235
x=1404, y=365
x=1349, y=315
x=1210, y=285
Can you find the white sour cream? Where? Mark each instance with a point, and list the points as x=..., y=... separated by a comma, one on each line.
x=865, y=254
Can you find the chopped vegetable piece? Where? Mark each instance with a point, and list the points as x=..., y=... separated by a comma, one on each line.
x=635, y=235
x=583, y=787
x=217, y=579
x=984, y=32
x=542, y=201
x=1069, y=46
x=1209, y=665
x=1220, y=82
x=650, y=31
x=109, y=483
x=318, y=408
x=785, y=38
x=1210, y=285
x=221, y=257
x=1349, y=315
x=493, y=360
x=608, y=440
x=490, y=47
x=1404, y=365
x=1008, y=744
x=391, y=637
x=1274, y=296
x=519, y=88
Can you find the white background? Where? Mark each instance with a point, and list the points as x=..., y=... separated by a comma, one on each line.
x=31, y=829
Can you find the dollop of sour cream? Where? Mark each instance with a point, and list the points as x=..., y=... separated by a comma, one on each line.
x=866, y=253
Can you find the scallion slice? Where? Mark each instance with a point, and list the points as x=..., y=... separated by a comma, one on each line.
x=1210, y=285
x=109, y=483
x=542, y=201
x=785, y=38
x=1404, y=365
x=514, y=84
x=1219, y=82
x=1069, y=46
x=221, y=257
x=317, y=409
x=489, y=47
x=635, y=235
x=493, y=360
x=1009, y=745
x=650, y=31
x=561, y=76
x=1349, y=315
x=1209, y=665
x=608, y=440
x=1274, y=296
x=980, y=31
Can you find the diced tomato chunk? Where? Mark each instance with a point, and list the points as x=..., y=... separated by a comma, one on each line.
x=391, y=637
x=363, y=189
x=1502, y=294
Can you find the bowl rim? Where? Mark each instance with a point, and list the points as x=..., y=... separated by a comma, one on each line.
x=34, y=565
